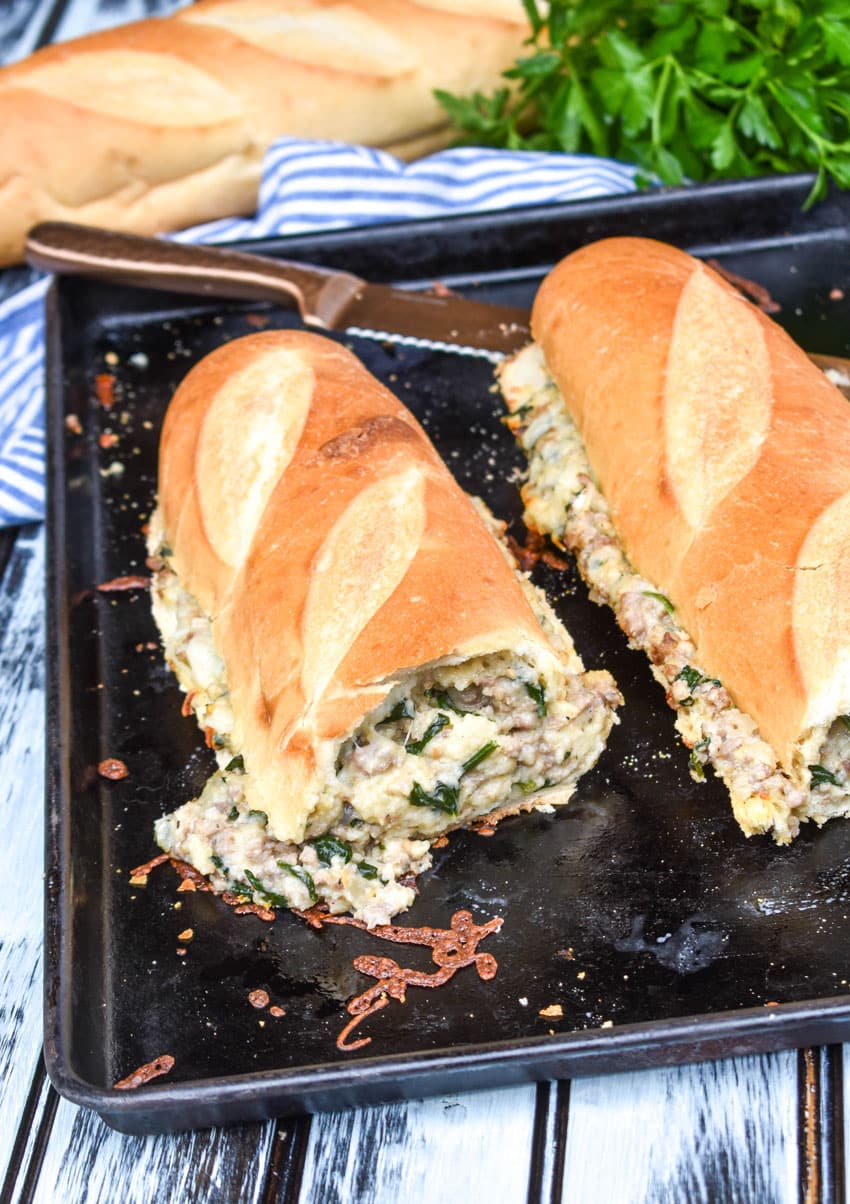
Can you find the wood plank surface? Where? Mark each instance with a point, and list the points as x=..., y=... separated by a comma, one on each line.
x=36, y=1119
x=458, y=1148
x=85, y=1160
x=21, y=828
x=716, y=1131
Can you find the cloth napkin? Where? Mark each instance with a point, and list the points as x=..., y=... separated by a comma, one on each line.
x=307, y=186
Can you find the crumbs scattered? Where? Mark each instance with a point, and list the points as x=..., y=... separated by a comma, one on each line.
x=836, y=294
x=112, y=768
x=552, y=1012
x=104, y=388
x=139, y=876
x=536, y=548
x=144, y=1074
x=107, y=439
x=73, y=424
x=122, y=583
x=186, y=935
x=259, y=999
x=243, y=908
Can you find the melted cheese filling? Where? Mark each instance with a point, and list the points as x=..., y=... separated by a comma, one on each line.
x=452, y=744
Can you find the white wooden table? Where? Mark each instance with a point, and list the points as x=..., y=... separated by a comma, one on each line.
x=767, y=1129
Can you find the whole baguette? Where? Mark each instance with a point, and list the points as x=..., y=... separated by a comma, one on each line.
x=358, y=604
x=723, y=458
x=163, y=123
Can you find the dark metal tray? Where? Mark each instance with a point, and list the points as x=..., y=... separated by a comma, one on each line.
x=664, y=934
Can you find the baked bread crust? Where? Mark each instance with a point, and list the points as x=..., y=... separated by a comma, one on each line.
x=724, y=456
x=162, y=123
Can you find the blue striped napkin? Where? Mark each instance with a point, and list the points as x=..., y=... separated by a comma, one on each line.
x=307, y=186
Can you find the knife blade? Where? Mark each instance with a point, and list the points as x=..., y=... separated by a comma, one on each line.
x=325, y=300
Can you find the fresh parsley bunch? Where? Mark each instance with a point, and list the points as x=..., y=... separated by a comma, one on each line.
x=701, y=90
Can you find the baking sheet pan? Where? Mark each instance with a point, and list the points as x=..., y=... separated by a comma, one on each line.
x=640, y=911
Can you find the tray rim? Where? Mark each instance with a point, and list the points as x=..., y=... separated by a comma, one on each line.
x=383, y=1079
x=163, y=1106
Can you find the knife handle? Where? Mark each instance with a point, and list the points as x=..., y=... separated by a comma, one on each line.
x=65, y=248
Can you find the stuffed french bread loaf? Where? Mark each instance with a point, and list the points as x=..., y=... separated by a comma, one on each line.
x=351, y=634
x=698, y=464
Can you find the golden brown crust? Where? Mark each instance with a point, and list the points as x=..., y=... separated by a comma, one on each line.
x=309, y=514
x=164, y=122
x=724, y=455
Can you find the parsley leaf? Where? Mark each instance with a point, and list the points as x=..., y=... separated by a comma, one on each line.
x=328, y=847
x=303, y=876
x=478, y=756
x=696, y=91
x=696, y=762
x=443, y=797
x=537, y=691
x=436, y=725
x=693, y=678
x=401, y=710
x=268, y=896
x=821, y=776
x=662, y=598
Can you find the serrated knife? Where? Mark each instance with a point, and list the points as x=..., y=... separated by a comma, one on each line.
x=325, y=300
